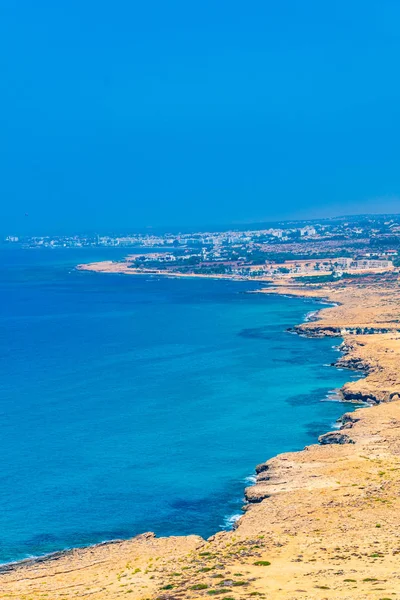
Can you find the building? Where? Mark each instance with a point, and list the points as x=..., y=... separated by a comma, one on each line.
x=372, y=264
x=344, y=263
x=308, y=230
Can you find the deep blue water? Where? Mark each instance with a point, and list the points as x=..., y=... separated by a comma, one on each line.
x=130, y=404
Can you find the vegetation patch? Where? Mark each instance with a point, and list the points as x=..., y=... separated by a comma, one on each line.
x=323, y=587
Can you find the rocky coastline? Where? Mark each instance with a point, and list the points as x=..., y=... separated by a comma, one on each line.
x=319, y=523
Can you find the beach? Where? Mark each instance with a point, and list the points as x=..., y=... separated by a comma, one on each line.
x=319, y=523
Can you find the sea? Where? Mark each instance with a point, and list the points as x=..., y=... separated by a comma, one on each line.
x=143, y=403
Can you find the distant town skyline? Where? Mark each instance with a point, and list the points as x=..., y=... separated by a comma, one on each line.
x=377, y=222
x=185, y=229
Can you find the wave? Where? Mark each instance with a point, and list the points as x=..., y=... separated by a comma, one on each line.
x=230, y=520
x=250, y=480
x=311, y=316
x=332, y=396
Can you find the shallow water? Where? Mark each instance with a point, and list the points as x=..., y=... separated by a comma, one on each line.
x=130, y=404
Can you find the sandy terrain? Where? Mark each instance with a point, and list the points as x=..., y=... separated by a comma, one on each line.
x=125, y=268
x=321, y=523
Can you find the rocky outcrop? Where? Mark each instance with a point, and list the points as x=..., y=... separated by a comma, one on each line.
x=315, y=330
x=262, y=468
x=359, y=396
x=320, y=330
x=335, y=437
x=348, y=420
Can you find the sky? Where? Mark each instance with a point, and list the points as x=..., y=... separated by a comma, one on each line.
x=126, y=114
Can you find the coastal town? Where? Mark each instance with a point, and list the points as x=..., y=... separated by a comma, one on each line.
x=327, y=249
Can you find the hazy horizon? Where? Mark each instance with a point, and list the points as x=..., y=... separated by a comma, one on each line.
x=182, y=228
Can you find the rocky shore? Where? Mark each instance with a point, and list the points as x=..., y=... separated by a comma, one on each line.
x=321, y=523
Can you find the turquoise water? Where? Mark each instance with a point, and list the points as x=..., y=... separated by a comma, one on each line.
x=130, y=404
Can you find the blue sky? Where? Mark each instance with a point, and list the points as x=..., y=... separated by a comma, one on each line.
x=125, y=114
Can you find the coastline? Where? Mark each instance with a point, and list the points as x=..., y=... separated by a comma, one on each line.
x=305, y=480
x=121, y=268
x=229, y=520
